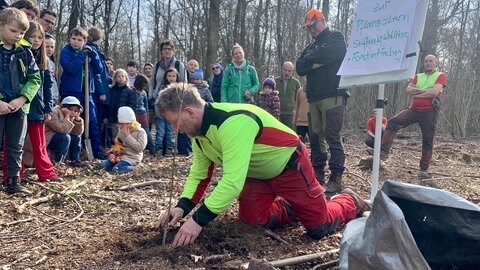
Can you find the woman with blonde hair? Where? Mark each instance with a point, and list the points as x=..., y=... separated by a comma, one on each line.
x=240, y=79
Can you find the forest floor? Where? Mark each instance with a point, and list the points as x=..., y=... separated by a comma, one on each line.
x=87, y=222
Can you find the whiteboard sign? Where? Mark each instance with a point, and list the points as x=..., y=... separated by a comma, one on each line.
x=383, y=45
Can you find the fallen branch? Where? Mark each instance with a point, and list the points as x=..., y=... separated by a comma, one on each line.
x=275, y=236
x=44, y=258
x=304, y=258
x=19, y=221
x=219, y=257
x=359, y=176
x=295, y=260
x=62, y=193
x=143, y=184
x=326, y=265
x=23, y=257
x=33, y=202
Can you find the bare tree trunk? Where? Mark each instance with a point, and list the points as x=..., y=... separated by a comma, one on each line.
x=156, y=30
x=256, y=32
x=280, y=53
x=169, y=19
x=82, y=14
x=326, y=9
x=139, y=33
x=239, y=23
x=131, y=36
x=433, y=23
x=430, y=34
x=73, y=21
x=213, y=31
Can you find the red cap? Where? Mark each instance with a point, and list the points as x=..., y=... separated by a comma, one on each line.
x=312, y=16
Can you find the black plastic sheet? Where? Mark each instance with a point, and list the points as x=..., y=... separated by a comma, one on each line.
x=414, y=227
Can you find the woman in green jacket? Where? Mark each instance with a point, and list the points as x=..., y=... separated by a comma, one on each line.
x=240, y=80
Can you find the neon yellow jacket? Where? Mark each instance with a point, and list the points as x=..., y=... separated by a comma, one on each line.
x=243, y=139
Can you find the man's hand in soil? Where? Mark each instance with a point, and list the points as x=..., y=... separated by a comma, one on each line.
x=187, y=233
x=175, y=213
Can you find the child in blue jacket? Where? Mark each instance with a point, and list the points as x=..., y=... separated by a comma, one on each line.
x=72, y=60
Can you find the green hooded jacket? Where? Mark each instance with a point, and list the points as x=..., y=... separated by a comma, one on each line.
x=24, y=73
x=236, y=81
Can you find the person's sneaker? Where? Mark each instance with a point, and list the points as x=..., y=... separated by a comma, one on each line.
x=78, y=164
x=159, y=153
x=423, y=174
x=362, y=205
x=168, y=153
x=55, y=179
x=13, y=186
x=60, y=166
x=370, y=151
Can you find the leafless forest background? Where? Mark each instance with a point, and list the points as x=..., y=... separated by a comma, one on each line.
x=271, y=32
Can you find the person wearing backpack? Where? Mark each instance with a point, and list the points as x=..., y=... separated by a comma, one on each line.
x=240, y=80
x=168, y=60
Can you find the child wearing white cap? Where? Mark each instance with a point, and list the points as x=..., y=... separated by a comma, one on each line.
x=131, y=140
x=63, y=132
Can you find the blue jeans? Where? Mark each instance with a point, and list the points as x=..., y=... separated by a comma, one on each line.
x=164, y=131
x=62, y=142
x=93, y=124
x=184, y=144
x=119, y=168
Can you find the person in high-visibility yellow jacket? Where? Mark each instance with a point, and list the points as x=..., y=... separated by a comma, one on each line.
x=265, y=166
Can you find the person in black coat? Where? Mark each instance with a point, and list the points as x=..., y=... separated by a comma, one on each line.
x=120, y=95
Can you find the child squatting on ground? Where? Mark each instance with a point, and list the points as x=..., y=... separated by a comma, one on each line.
x=131, y=140
x=63, y=133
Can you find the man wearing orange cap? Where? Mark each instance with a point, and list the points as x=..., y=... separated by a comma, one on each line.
x=320, y=62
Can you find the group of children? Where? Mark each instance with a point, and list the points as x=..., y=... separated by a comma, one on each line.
x=28, y=98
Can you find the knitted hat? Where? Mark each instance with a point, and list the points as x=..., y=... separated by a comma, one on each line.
x=126, y=115
x=218, y=65
x=270, y=81
x=197, y=74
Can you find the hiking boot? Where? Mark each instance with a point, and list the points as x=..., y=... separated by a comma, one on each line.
x=383, y=155
x=55, y=179
x=78, y=164
x=320, y=175
x=13, y=186
x=362, y=205
x=168, y=153
x=334, y=184
x=423, y=174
